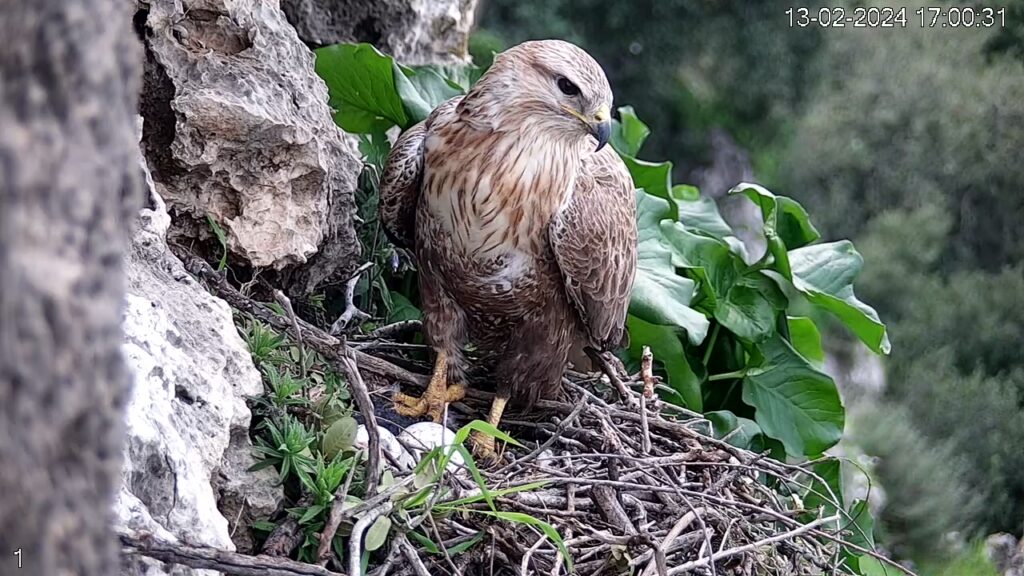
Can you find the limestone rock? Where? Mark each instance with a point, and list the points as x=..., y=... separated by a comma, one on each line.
x=1006, y=554
x=187, y=447
x=237, y=127
x=414, y=31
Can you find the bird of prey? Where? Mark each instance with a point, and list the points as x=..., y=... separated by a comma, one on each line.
x=522, y=224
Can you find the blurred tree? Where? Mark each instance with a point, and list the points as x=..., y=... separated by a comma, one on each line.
x=69, y=183
x=926, y=483
x=685, y=65
x=915, y=118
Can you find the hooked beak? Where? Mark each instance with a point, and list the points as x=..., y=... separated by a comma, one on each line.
x=601, y=127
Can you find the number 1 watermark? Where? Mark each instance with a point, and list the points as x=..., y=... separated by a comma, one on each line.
x=17, y=553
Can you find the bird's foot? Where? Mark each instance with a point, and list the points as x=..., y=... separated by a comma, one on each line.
x=483, y=447
x=431, y=403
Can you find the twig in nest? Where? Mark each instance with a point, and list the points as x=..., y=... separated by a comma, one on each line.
x=397, y=329
x=754, y=545
x=351, y=312
x=612, y=511
x=647, y=372
x=612, y=373
x=205, y=558
x=362, y=397
x=286, y=303
x=355, y=539
x=559, y=430
x=410, y=554
x=524, y=566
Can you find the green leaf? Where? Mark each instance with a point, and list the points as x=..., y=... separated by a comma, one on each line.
x=667, y=350
x=794, y=402
x=547, y=529
x=861, y=525
x=221, y=239
x=422, y=89
x=494, y=494
x=660, y=295
x=311, y=513
x=831, y=474
x=747, y=313
x=361, y=85
x=741, y=303
x=783, y=217
x=805, y=338
x=725, y=423
x=264, y=526
x=700, y=213
x=869, y=566
x=463, y=546
x=402, y=309
x=377, y=534
x=655, y=178
x=628, y=132
x=427, y=543
x=824, y=273
x=339, y=437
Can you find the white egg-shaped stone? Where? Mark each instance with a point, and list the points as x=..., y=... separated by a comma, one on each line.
x=389, y=444
x=422, y=437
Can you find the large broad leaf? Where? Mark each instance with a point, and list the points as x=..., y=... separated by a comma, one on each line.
x=794, y=402
x=788, y=218
x=422, y=89
x=786, y=224
x=805, y=337
x=747, y=313
x=699, y=213
x=742, y=307
x=660, y=296
x=628, y=132
x=361, y=84
x=655, y=178
x=741, y=432
x=824, y=273
x=668, y=350
x=402, y=309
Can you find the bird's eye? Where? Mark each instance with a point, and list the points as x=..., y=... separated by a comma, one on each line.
x=567, y=87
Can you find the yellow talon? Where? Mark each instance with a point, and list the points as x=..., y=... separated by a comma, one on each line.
x=434, y=399
x=483, y=444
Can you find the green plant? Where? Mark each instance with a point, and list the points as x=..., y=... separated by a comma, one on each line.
x=262, y=340
x=287, y=447
x=284, y=389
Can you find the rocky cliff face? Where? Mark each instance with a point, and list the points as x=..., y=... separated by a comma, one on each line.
x=413, y=31
x=237, y=129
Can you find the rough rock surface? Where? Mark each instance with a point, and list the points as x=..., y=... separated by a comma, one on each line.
x=730, y=165
x=237, y=127
x=187, y=444
x=414, y=31
x=1006, y=554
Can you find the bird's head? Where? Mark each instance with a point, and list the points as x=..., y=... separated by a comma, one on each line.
x=551, y=85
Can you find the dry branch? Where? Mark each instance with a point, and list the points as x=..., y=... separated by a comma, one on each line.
x=204, y=558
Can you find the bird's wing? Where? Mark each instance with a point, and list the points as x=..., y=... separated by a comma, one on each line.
x=403, y=175
x=593, y=237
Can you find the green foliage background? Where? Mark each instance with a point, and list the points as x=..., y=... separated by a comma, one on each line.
x=907, y=141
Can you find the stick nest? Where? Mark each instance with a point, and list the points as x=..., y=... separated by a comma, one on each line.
x=631, y=483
